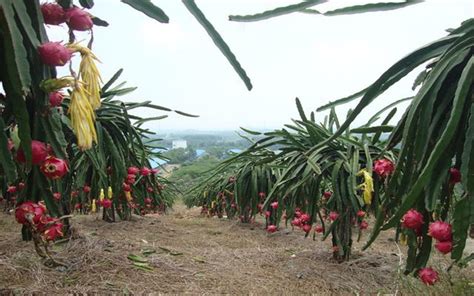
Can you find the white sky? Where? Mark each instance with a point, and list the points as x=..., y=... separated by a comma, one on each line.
x=312, y=57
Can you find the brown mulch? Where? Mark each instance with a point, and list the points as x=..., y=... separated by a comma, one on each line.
x=190, y=254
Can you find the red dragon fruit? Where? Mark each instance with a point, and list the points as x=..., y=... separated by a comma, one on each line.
x=444, y=247
x=53, y=14
x=440, y=230
x=78, y=19
x=54, y=54
x=412, y=219
x=39, y=152
x=428, y=276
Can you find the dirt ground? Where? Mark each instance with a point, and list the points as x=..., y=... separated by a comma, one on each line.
x=185, y=253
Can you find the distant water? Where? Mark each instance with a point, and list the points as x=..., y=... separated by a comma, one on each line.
x=200, y=152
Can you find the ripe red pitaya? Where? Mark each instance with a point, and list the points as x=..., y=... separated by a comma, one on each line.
x=21, y=186
x=54, y=54
x=78, y=19
x=53, y=232
x=307, y=228
x=327, y=194
x=455, y=176
x=86, y=189
x=107, y=203
x=268, y=214
x=126, y=187
x=39, y=152
x=333, y=216
x=148, y=201
x=54, y=168
x=150, y=189
x=383, y=167
x=55, y=99
x=296, y=222
x=57, y=196
x=262, y=195
x=133, y=170
x=305, y=218
x=440, y=230
x=22, y=210
x=428, y=276
x=363, y=225
x=360, y=214
x=444, y=247
x=412, y=219
x=144, y=171
x=271, y=228
x=274, y=205
x=53, y=14
x=11, y=189
x=319, y=229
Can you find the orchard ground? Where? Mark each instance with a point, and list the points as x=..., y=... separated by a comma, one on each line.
x=187, y=253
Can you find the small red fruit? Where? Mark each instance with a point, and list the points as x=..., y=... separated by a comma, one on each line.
x=307, y=228
x=261, y=195
x=333, y=216
x=148, y=200
x=319, y=229
x=54, y=54
x=132, y=170
x=107, y=203
x=268, y=214
x=428, y=276
x=53, y=232
x=86, y=189
x=296, y=222
x=327, y=194
x=22, y=210
x=383, y=167
x=363, y=225
x=57, y=196
x=11, y=189
x=274, y=205
x=440, y=230
x=455, y=176
x=78, y=19
x=126, y=187
x=305, y=218
x=444, y=247
x=53, y=14
x=54, y=168
x=155, y=171
x=360, y=214
x=149, y=189
x=412, y=219
x=21, y=186
x=55, y=99
x=271, y=228
x=145, y=171
x=39, y=152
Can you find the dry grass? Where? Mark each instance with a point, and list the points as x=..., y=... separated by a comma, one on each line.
x=196, y=255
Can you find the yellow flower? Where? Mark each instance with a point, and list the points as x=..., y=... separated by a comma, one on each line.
x=128, y=195
x=102, y=195
x=93, y=206
x=89, y=73
x=367, y=186
x=109, y=192
x=82, y=117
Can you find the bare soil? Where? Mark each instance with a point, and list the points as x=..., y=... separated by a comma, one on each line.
x=186, y=253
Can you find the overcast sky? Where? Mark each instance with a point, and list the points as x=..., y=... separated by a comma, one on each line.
x=312, y=57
